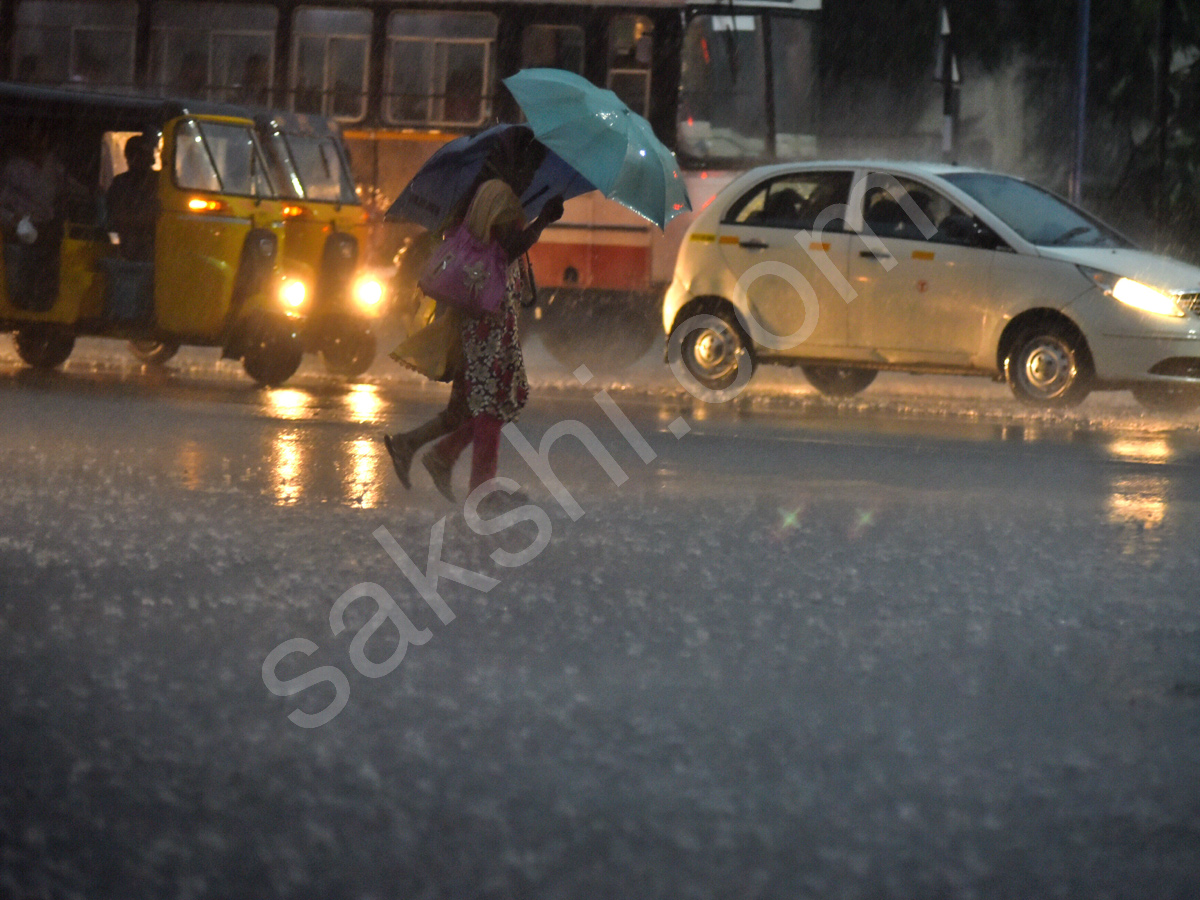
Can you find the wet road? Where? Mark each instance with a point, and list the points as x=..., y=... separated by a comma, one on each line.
x=917, y=644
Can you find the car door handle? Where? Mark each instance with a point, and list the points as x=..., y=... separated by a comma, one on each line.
x=754, y=244
x=875, y=254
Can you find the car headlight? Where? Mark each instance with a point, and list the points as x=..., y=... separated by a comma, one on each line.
x=1135, y=293
x=368, y=293
x=293, y=293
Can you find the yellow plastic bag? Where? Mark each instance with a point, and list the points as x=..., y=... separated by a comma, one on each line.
x=435, y=350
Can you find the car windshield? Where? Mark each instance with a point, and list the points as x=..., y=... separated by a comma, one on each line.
x=318, y=164
x=1036, y=215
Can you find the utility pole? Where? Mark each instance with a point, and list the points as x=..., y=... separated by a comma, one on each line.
x=946, y=71
x=1085, y=21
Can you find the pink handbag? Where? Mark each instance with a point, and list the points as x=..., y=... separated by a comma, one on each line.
x=466, y=273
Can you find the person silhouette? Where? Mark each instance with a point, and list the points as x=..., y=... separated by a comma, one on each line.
x=132, y=200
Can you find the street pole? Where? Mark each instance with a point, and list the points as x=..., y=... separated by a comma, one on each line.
x=948, y=73
x=1085, y=19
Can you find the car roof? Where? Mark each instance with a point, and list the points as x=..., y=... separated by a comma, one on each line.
x=914, y=167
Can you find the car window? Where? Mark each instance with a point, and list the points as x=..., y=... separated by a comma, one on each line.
x=1035, y=214
x=889, y=214
x=798, y=200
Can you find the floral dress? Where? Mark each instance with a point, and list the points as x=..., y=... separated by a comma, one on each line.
x=493, y=370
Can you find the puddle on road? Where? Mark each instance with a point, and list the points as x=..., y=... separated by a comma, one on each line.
x=316, y=439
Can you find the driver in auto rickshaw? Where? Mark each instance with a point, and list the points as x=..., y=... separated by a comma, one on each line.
x=132, y=200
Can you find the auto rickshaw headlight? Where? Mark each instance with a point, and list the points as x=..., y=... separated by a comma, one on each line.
x=293, y=293
x=368, y=293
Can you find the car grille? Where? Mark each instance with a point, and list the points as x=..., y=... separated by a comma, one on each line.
x=1190, y=301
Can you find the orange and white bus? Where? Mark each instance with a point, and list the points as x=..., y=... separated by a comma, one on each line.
x=727, y=85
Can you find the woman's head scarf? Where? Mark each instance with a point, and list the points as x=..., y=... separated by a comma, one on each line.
x=495, y=204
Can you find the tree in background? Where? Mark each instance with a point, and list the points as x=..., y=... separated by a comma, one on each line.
x=1143, y=163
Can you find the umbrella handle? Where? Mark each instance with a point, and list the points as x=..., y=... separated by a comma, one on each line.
x=542, y=190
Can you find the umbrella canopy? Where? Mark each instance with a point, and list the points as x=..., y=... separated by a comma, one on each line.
x=604, y=140
x=441, y=186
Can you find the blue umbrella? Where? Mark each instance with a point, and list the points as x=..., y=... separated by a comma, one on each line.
x=604, y=140
x=440, y=187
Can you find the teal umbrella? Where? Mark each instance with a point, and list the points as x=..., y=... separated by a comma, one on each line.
x=604, y=140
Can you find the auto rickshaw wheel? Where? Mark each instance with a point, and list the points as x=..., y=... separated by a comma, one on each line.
x=44, y=348
x=272, y=352
x=350, y=354
x=153, y=353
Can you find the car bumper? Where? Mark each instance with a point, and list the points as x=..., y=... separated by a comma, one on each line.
x=1129, y=345
x=1125, y=358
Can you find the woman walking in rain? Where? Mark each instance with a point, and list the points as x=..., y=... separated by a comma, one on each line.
x=490, y=388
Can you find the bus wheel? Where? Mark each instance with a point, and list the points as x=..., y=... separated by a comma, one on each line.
x=350, y=354
x=44, y=348
x=272, y=353
x=153, y=353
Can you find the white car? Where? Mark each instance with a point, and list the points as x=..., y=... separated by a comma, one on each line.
x=849, y=268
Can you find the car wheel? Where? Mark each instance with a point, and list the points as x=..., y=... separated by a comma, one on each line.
x=839, y=381
x=44, y=348
x=1167, y=398
x=713, y=352
x=272, y=353
x=1049, y=366
x=153, y=353
x=350, y=354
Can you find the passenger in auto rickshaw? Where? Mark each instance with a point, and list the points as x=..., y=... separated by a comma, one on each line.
x=34, y=191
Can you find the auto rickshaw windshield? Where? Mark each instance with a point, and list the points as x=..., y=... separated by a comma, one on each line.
x=283, y=168
x=322, y=171
x=222, y=158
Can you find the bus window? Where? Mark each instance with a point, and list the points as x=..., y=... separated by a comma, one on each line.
x=74, y=41
x=439, y=67
x=329, y=62
x=552, y=47
x=722, y=91
x=793, y=68
x=630, y=50
x=213, y=51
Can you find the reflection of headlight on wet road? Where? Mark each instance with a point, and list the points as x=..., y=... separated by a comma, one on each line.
x=368, y=293
x=293, y=293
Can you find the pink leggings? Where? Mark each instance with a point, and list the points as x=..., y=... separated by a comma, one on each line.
x=484, y=431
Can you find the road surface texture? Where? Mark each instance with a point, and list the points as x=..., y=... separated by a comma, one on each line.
x=918, y=644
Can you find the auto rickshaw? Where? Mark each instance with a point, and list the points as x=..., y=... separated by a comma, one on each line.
x=214, y=273
x=325, y=232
